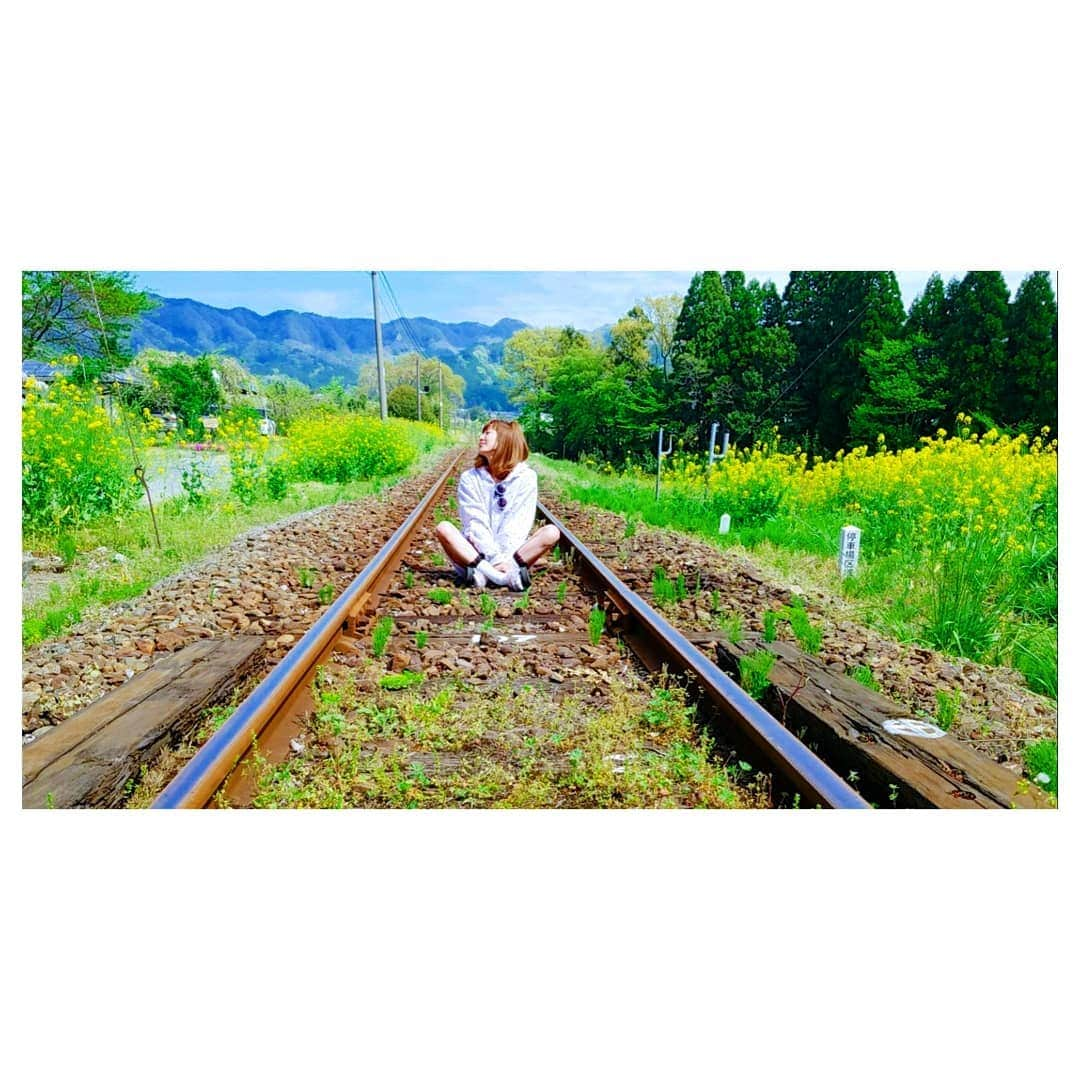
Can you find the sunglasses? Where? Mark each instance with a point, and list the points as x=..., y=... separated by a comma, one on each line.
x=500, y=496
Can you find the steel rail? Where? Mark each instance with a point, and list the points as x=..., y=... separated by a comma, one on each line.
x=195, y=784
x=658, y=642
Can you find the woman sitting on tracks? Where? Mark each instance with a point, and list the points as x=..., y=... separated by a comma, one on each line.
x=497, y=503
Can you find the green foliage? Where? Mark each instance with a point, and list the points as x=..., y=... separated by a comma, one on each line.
x=421, y=638
x=834, y=317
x=408, y=577
x=770, y=619
x=665, y=709
x=401, y=402
x=188, y=388
x=440, y=596
x=326, y=594
x=729, y=353
x=245, y=473
x=905, y=394
x=337, y=449
x=731, y=625
x=864, y=676
x=381, y=635
x=754, y=672
x=666, y=591
x=306, y=576
x=86, y=313
x=560, y=593
x=66, y=549
x=597, y=618
x=76, y=463
x=966, y=604
x=277, y=484
x=487, y=605
x=1041, y=760
x=809, y=637
x=948, y=707
x=401, y=680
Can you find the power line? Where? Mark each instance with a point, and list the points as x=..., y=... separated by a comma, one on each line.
x=407, y=328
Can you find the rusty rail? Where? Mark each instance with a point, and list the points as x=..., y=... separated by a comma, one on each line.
x=657, y=643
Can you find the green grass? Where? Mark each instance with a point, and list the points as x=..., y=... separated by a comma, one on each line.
x=380, y=636
x=948, y=706
x=965, y=607
x=1041, y=761
x=754, y=672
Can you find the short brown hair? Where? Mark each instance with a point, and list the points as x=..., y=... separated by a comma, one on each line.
x=510, y=448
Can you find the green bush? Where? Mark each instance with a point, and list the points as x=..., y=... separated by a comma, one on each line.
x=77, y=464
x=337, y=449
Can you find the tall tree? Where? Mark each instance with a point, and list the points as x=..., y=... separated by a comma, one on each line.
x=973, y=344
x=698, y=352
x=87, y=313
x=630, y=339
x=730, y=355
x=1031, y=353
x=834, y=316
x=905, y=397
x=663, y=313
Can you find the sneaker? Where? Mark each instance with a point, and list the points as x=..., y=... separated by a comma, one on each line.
x=518, y=577
x=477, y=579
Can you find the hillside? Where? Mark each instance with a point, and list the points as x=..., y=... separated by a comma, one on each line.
x=315, y=348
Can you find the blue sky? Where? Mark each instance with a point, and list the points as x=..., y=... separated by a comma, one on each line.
x=585, y=299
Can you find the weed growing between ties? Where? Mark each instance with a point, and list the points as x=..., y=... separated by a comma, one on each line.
x=754, y=672
x=444, y=744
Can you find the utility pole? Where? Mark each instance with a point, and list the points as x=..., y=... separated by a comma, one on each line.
x=378, y=347
x=419, y=415
x=440, y=396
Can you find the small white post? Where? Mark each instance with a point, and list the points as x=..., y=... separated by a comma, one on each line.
x=725, y=523
x=712, y=442
x=849, y=550
x=661, y=453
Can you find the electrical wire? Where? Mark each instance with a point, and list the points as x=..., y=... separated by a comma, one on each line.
x=406, y=328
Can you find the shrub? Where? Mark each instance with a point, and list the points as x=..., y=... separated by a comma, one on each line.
x=337, y=449
x=77, y=464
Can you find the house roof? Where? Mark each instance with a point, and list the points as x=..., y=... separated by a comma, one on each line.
x=37, y=369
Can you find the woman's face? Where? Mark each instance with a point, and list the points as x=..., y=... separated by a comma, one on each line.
x=489, y=438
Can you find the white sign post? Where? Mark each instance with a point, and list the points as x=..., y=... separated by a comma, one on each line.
x=725, y=523
x=849, y=550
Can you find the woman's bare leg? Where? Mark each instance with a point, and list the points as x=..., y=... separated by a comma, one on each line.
x=538, y=545
x=454, y=544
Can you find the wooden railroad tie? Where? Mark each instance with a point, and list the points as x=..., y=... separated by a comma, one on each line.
x=90, y=759
x=847, y=724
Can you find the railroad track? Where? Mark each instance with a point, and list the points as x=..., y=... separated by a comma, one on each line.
x=521, y=676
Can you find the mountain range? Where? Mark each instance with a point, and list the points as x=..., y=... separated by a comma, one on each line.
x=316, y=348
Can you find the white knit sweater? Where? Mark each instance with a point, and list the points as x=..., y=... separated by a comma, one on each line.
x=496, y=533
